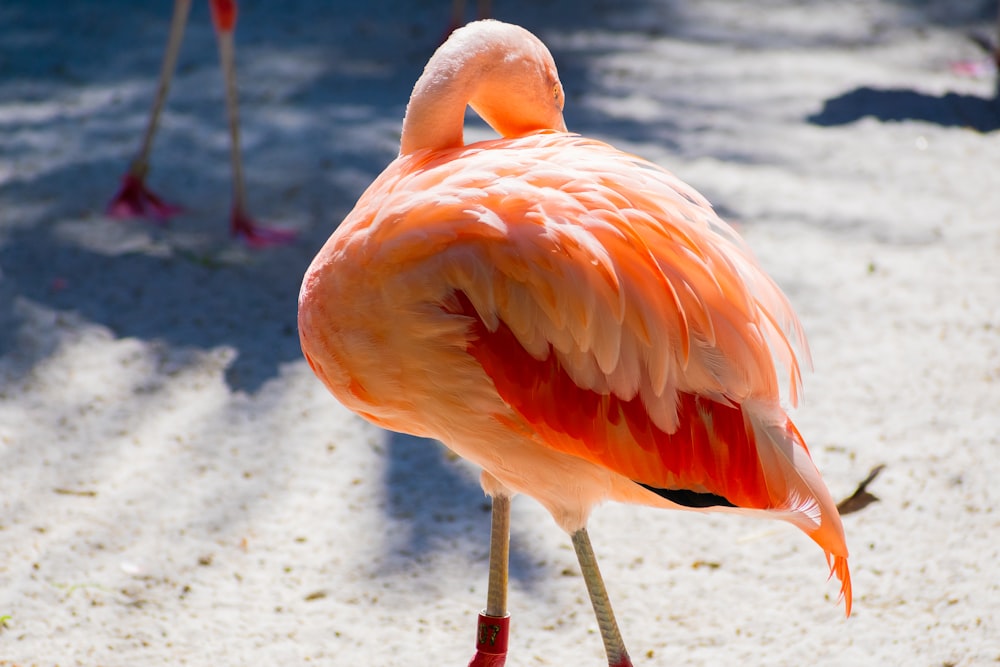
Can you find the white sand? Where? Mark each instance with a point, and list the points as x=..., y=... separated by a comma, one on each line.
x=177, y=488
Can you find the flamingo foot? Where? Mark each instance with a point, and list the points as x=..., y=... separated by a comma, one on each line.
x=974, y=69
x=245, y=227
x=491, y=641
x=135, y=200
x=981, y=67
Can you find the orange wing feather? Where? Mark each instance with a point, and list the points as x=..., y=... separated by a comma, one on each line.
x=711, y=451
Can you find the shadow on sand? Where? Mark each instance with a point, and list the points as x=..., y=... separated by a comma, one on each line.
x=436, y=503
x=901, y=104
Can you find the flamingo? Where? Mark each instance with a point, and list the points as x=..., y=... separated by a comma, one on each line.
x=575, y=320
x=134, y=199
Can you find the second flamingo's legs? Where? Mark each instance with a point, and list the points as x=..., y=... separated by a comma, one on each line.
x=134, y=199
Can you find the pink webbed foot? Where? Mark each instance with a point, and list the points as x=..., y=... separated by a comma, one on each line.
x=245, y=227
x=135, y=200
x=981, y=67
x=974, y=68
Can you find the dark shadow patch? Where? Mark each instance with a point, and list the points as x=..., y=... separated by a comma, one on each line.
x=435, y=502
x=900, y=104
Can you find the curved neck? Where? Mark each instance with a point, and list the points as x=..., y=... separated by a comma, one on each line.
x=503, y=71
x=435, y=115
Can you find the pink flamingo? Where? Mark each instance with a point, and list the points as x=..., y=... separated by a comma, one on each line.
x=134, y=199
x=573, y=319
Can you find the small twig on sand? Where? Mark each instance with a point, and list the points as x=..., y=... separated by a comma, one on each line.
x=75, y=492
x=860, y=499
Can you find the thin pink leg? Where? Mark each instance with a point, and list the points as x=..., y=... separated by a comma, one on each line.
x=614, y=645
x=457, y=19
x=240, y=222
x=996, y=57
x=458, y=15
x=493, y=628
x=134, y=199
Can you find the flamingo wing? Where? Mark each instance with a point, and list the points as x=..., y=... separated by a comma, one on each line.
x=614, y=289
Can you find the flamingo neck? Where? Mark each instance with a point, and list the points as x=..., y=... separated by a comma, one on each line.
x=435, y=115
x=501, y=70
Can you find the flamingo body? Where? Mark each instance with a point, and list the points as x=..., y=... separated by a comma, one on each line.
x=571, y=318
x=575, y=320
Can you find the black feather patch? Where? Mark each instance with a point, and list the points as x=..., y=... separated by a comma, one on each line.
x=687, y=498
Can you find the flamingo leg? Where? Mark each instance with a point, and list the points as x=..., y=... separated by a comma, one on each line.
x=240, y=222
x=494, y=622
x=996, y=57
x=989, y=46
x=614, y=645
x=140, y=164
x=496, y=594
x=134, y=199
x=227, y=56
x=458, y=14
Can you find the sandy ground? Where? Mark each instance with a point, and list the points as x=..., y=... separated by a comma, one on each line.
x=177, y=488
